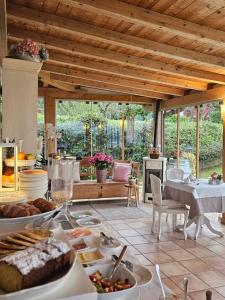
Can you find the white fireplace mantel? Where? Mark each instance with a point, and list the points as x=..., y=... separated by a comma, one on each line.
x=20, y=94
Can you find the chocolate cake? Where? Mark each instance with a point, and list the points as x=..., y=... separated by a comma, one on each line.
x=34, y=265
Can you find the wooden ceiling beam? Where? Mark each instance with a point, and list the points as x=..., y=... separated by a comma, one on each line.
x=198, y=98
x=151, y=19
x=70, y=47
x=81, y=95
x=66, y=25
x=84, y=74
x=3, y=30
x=88, y=64
x=105, y=86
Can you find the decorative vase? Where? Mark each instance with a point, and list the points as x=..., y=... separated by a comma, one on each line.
x=101, y=175
x=131, y=181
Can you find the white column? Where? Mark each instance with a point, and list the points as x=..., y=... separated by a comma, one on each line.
x=20, y=94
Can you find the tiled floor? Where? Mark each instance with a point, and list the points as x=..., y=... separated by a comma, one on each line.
x=202, y=260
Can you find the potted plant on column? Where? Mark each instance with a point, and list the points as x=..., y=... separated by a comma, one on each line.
x=101, y=162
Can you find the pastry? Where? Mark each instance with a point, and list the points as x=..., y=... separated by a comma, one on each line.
x=43, y=205
x=35, y=265
x=8, y=246
x=18, y=241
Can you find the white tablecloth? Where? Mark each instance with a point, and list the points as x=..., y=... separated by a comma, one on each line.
x=201, y=196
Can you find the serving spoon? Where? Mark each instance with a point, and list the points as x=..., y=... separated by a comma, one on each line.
x=111, y=273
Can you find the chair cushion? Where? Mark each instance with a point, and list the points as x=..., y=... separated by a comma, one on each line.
x=121, y=172
x=172, y=204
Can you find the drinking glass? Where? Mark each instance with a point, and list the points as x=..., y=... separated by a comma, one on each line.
x=62, y=182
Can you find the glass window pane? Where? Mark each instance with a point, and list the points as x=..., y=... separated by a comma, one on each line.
x=210, y=140
x=170, y=137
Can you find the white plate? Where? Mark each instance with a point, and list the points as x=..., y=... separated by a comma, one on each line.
x=82, y=236
x=142, y=275
x=37, y=290
x=74, y=286
x=12, y=198
x=89, y=222
x=20, y=163
x=81, y=214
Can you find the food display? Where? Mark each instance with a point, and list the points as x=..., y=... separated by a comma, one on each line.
x=105, y=285
x=34, y=265
x=21, y=240
x=79, y=246
x=90, y=256
x=30, y=208
x=78, y=232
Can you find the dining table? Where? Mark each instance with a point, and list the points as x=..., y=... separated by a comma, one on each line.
x=201, y=197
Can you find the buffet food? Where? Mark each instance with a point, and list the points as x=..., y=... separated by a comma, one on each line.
x=78, y=232
x=105, y=285
x=30, y=208
x=21, y=240
x=91, y=256
x=34, y=265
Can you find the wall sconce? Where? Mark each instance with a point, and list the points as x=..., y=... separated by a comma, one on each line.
x=222, y=107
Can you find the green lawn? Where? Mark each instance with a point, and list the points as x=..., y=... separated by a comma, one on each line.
x=207, y=172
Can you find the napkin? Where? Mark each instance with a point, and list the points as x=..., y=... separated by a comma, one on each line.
x=187, y=180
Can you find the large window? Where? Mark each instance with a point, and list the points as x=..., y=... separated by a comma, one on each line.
x=89, y=127
x=210, y=140
x=200, y=138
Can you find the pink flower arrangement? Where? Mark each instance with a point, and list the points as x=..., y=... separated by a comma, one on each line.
x=216, y=176
x=101, y=161
x=28, y=46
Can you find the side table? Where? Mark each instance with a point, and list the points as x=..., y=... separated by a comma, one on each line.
x=132, y=194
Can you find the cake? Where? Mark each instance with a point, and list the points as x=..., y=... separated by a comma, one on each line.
x=34, y=265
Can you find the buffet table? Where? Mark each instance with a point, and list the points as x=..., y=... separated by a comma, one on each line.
x=201, y=197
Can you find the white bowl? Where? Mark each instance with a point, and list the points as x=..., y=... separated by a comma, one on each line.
x=20, y=163
x=121, y=273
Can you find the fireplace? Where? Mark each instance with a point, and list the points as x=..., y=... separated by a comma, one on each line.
x=156, y=167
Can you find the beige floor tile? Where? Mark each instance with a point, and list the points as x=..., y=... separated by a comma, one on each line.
x=196, y=265
x=200, y=295
x=151, y=238
x=158, y=257
x=143, y=260
x=132, y=250
x=205, y=241
x=172, y=286
x=221, y=290
x=180, y=254
x=215, y=261
x=194, y=283
x=201, y=252
x=120, y=226
x=128, y=232
x=187, y=244
x=143, y=230
x=147, y=248
x=135, y=240
x=173, y=269
x=136, y=225
x=218, y=249
x=152, y=269
x=167, y=246
x=212, y=278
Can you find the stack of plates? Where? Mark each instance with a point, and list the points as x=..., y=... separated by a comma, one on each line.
x=34, y=183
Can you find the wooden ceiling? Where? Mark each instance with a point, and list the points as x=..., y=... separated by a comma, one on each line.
x=172, y=50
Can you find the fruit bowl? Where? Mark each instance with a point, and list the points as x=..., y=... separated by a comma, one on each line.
x=20, y=163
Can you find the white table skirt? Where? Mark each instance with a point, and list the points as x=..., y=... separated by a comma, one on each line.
x=202, y=197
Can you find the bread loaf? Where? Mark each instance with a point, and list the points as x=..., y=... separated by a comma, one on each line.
x=34, y=266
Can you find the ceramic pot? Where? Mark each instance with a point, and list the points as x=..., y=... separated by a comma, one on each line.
x=131, y=181
x=101, y=175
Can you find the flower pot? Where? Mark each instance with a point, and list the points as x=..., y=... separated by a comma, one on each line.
x=132, y=181
x=101, y=175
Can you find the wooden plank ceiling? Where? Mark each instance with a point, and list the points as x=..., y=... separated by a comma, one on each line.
x=171, y=50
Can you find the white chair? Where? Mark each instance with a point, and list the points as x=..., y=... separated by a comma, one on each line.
x=167, y=206
x=174, y=173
